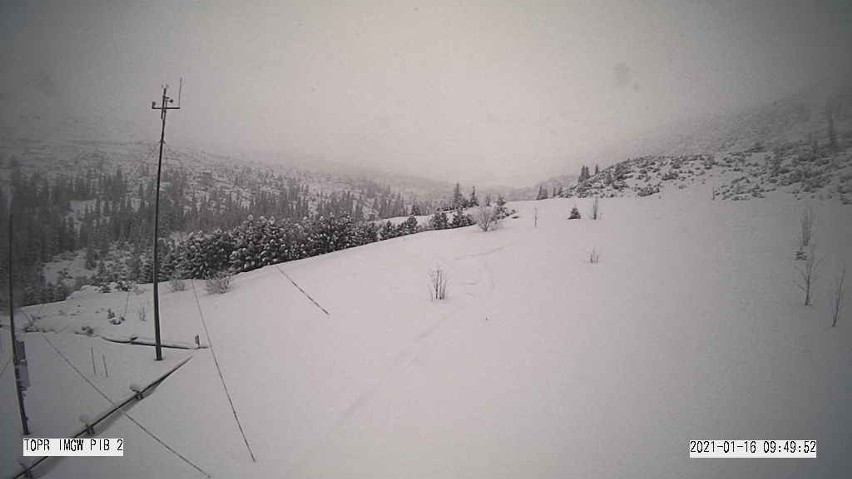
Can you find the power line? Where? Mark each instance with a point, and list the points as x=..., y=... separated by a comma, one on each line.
x=145, y=159
x=219, y=370
x=302, y=290
x=125, y=413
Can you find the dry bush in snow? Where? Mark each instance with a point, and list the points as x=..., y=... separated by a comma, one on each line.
x=596, y=211
x=807, y=274
x=218, y=283
x=807, y=221
x=438, y=283
x=838, y=296
x=594, y=256
x=177, y=284
x=486, y=217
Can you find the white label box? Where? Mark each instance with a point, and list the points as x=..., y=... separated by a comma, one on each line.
x=73, y=446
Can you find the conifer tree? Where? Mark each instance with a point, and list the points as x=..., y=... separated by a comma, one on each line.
x=575, y=214
x=501, y=208
x=458, y=199
x=388, y=231
x=460, y=219
x=439, y=220
x=474, y=201
x=409, y=226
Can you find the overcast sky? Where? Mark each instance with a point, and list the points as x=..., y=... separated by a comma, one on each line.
x=481, y=92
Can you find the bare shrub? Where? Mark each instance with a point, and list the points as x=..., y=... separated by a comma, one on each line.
x=487, y=218
x=807, y=274
x=438, y=283
x=218, y=283
x=807, y=221
x=838, y=296
x=177, y=284
x=142, y=313
x=596, y=209
x=594, y=256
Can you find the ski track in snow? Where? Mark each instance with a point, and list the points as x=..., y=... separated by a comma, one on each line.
x=400, y=361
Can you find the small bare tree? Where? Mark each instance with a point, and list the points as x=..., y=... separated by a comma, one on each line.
x=438, y=283
x=486, y=217
x=838, y=295
x=535, y=218
x=807, y=221
x=807, y=274
x=596, y=211
x=594, y=256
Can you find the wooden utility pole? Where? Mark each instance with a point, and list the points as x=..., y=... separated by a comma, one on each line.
x=164, y=107
x=17, y=361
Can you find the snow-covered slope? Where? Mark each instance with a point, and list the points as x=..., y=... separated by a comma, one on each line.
x=800, y=145
x=538, y=364
x=754, y=173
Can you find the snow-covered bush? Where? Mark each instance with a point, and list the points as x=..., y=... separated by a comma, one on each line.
x=460, y=219
x=409, y=226
x=439, y=220
x=177, y=284
x=575, y=214
x=653, y=189
x=201, y=255
x=366, y=233
x=502, y=212
x=388, y=231
x=218, y=283
x=486, y=217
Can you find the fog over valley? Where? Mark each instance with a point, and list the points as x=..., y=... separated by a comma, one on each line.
x=492, y=92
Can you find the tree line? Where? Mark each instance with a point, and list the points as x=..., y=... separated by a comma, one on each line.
x=99, y=211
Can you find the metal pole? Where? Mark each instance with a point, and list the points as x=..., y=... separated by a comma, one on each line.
x=163, y=107
x=158, y=346
x=15, y=358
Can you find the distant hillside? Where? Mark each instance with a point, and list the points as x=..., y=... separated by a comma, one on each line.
x=799, y=145
x=204, y=172
x=84, y=206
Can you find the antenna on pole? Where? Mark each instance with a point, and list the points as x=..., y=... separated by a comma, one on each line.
x=164, y=107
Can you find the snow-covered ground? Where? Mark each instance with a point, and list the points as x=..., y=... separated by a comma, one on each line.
x=538, y=364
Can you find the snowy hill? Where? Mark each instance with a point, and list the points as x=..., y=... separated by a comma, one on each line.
x=538, y=364
x=740, y=175
x=801, y=145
